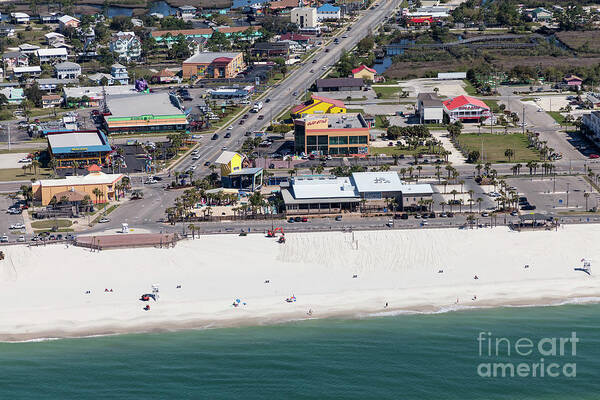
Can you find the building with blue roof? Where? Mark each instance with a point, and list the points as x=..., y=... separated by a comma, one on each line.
x=328, y=12
x=84, y=147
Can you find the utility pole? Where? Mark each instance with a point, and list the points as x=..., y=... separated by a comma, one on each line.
x=568, y=184
x=8, y=137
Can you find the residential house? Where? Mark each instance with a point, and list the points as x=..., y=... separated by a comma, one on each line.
x=27, y=48
x=466, y=109
x=328, y=12
x=593, y=98
x=7, y=30
x=13, y=95
x=126, y=45
x=53, y=38
x=119, y=73
x=364, y=72
x=572, y=82
x=50, y=18
x=165, y=76
x=19, y=72
x=14, y=59
x=99, y=76
x=51, y=100
x=52, y=84
x=52, y=55
x=196, y=44
x=67, y=70
x=187, y=12
x=20, y=18
x=271, y=49
x=430, y=108
x=540, y=14
x=66, y=21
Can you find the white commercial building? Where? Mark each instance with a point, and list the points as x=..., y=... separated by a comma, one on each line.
x=305, y=17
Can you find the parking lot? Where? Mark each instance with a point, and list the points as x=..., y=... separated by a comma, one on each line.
x=9, y=219
x=563, y=194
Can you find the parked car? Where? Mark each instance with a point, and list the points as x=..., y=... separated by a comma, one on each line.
x=214, y=137
x=21, y=238
x=485, y=214
x=261, y=117
x=591, y=156
x=291, y=220
x=338, y=218
x=528, y=207
x=228, y=135
x=4, y=239
x=104, y=220
x=207, y=164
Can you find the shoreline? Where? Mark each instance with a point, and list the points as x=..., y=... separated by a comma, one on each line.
x=193, y=325
x=415, y=272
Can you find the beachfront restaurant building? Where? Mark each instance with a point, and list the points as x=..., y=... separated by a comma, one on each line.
x=320, y=195
x=84, y=147
x=335, y=134
x=360, y=192
x=144, y=113
x=45, y=189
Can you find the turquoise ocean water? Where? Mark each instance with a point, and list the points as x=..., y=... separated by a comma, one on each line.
x=396, y=357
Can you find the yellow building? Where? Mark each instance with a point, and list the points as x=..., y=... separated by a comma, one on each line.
x=364, y=72
x=45, y=189
x=230, y=161
x=319, y=105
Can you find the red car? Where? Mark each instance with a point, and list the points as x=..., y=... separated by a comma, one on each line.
x=594, y=156
x=304, y=219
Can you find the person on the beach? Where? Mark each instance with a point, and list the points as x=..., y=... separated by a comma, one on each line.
x=386, y=304
x=475, y=277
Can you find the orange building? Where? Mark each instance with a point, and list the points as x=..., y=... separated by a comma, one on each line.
x=334, y=134
x=213, y=65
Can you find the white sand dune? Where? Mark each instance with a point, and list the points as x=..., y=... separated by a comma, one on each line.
x=43, y=289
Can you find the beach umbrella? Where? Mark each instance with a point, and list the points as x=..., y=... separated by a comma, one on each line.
x=237, y=300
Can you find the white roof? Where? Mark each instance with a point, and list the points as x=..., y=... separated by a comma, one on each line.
x=89, y=179
x=24, y=70
x=142, y=104
x=19, y=15
x=53, y=34
x=416, y=188
x=377, y=181
x=325, y=187
x=66, y=18
x=52, y=52
x=225, y=157
x=96, y=91
x=79, y=139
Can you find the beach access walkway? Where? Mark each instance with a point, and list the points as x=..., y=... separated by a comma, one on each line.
x=125, y=240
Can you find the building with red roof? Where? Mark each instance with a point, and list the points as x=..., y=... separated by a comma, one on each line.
x=465, y=108
x=319, y=105
x=364, y=72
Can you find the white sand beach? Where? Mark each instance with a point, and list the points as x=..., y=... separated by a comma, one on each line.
x=43, y=289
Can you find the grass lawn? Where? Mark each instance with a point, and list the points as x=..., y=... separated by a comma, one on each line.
x=493, y=105
x=558, y=117
x=17, y=174
x=49, y=223
x=494, y=146
x=527, y=99
x=5, y=151
x=101, y=214
x=470, y=89
x=386, y=92
x=379, y=120
x=355, y=110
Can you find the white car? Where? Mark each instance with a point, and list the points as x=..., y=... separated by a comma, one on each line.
x=17, y=226
x=104, y=220
x=230, y=127
x=25, y=160
x=193, y=168
x=4, y=239
x=21, y=238
x=196, y=157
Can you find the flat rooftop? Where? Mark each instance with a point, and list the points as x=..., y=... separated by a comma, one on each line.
x=339, y=121
x=77, y=142
x=142, y=104
x=324, y=187
x=89, y=179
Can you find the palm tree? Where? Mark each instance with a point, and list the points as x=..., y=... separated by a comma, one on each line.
x=478, y=169
x=461, y=185
x=419, y=169
x=192, y=228
x=35, y=164
x=453, y=192
x=97, y=192
x=586, y=195
x=443, y=205
x=75, y=167
x=508, y=153
x=518, y=166
x=479, y=200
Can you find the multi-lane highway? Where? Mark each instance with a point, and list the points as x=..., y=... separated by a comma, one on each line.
x=282, y=95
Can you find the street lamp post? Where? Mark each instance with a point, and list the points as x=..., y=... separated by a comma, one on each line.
x=568, y=184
